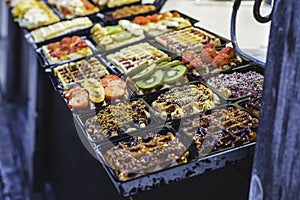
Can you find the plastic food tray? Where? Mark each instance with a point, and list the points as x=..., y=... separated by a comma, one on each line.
x=243, y=69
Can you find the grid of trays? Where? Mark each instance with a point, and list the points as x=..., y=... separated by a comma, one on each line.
x=157, y=98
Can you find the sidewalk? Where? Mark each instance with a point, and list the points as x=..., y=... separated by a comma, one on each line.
x=12, y=181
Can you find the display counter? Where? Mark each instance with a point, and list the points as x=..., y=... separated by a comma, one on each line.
x=63, y=165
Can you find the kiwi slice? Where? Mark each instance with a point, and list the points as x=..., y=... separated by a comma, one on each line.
x=173, y=74
x=119, y=37
x=145, y=73
x=152, y=81
x=164, y=65
x=113, y=29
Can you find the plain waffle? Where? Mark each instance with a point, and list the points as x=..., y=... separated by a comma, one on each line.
x=76, y=72
x=189, y=38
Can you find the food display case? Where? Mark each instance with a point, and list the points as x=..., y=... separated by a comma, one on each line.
x=153, y=96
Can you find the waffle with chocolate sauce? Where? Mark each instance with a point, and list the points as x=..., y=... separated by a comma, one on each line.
x=76, y=72
x=223, y=128
x=254, y=104
x=142, y=155
x=117, y=119
x=184, y=101
x=187, y=39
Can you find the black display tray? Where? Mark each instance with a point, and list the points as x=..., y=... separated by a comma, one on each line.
x=177, y=124
x=107, y=18
x=160, y=130
x=224, y=41
x=150, y=98
x=193, y=77
x=44, y=61
x=147, y=40
x=59, y=87
x=181, y=172
x=35, y=45
x=83, y=117
x=192, y=21
x=243, y=69
x=62, y=17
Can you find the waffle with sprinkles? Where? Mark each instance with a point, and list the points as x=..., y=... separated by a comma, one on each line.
x=133, y=58
x=187, y=39
x=76, y=72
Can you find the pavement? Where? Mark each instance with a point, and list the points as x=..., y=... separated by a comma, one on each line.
x=13, y=184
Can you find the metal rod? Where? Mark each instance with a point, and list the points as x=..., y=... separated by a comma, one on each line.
x=257, y=15
x=235, y=45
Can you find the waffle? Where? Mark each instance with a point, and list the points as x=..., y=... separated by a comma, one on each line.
x=223, y=128
x=132, y=58
x=128, y=11
x=69, y=48
x=184, y=101
x=33, y=14
x=158, y=24
x=237, y=85
x=117, y=119
x=74, y=8
x=211, y=61
x=125, y=33
x=77, y=72
x=142, y=155
x=114, y=3
x=187, y=39
x=60, y=28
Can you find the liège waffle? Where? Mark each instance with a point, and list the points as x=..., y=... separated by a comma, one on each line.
x=189, y=38
x=76, y=72
x=184, y=101
x=222, y=128
x=146, y=154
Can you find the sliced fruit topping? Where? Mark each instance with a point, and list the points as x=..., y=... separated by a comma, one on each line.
x=113, y=29
x=175, y=73
x=77, y=98
x=208, y=54
x=108, y=78
x=165, y=65
x=229, y=51
x=114, y=91
x=146, y=72
x=97, y=95
x=141, y=20
x=221, y=59
x=117, y=82
x=122, y=36
x=188, y=56
x=152, y=81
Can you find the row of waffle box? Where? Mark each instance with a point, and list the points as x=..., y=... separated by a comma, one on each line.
x=101, y=37
x=129, y=152
x=33, y=14
x=147, y=67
